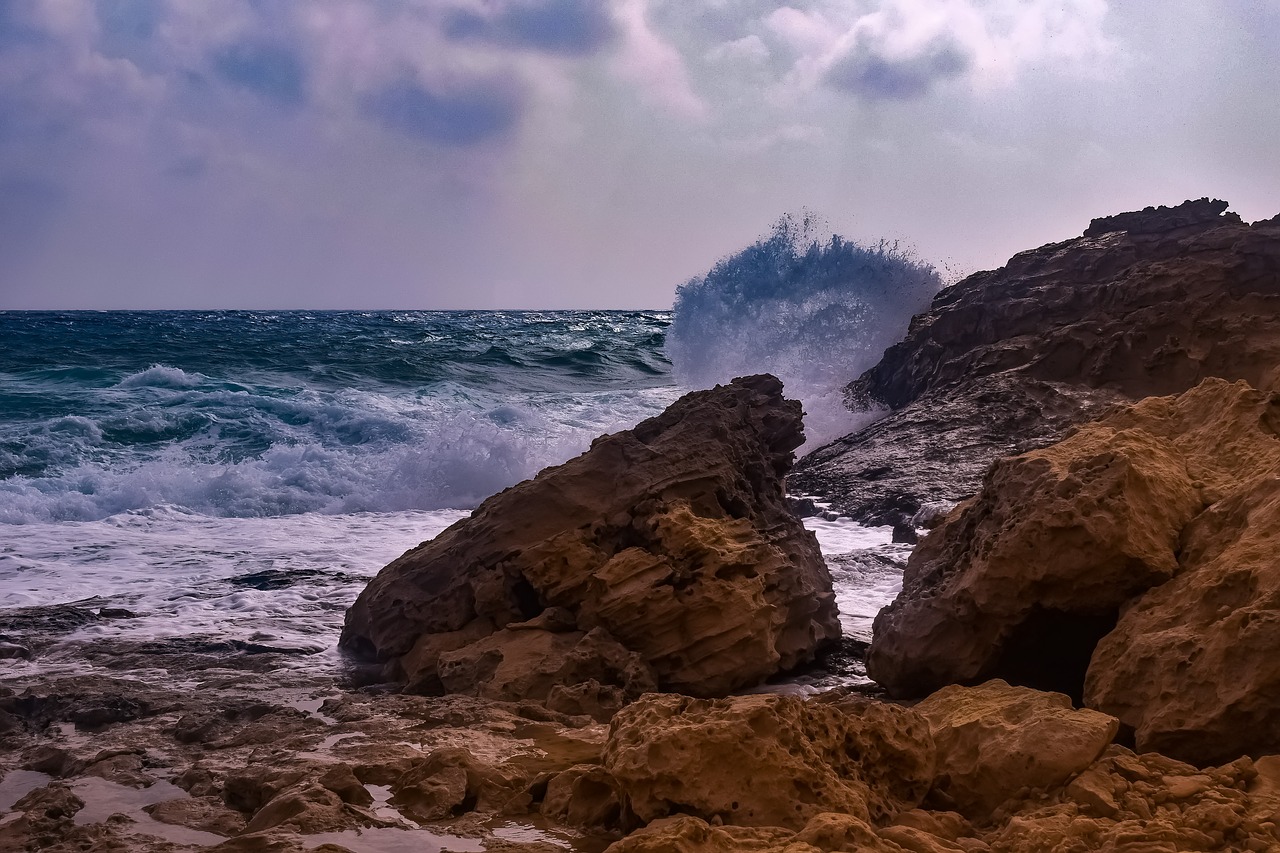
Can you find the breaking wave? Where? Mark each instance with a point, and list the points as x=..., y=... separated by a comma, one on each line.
x=814, y=312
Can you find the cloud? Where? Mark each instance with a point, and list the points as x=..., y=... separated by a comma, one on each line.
x=470, y=113
x=653, y=65
x=271, y=70
x=878, y=75
x=569, y=27
x=902, y=49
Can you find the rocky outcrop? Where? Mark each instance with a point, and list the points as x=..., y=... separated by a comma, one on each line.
x=1146, y=303
x=664, y=556
x=996, y=742
x=768, y=760
x=1132, y=565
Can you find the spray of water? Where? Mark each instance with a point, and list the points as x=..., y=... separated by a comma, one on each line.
x=815, y=312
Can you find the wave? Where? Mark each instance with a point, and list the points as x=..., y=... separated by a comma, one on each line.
x=162, y=376
x=407, y=411
x=816, y=313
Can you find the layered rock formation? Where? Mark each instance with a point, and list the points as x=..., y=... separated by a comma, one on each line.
x=1152, y=530
x=664, y=556
x=1005, y=361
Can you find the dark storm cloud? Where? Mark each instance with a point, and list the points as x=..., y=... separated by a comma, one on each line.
x=867, y=72
x=570, y=27
x=476, y=112
x=273, y=71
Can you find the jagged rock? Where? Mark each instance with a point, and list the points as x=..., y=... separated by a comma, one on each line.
x=768, y=760
x=670, y=545
x=995, y=741
x=1151, y=803
x=1008, y=360
x=1163, y=516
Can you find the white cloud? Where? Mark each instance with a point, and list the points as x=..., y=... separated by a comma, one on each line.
x=653, y=65
x=750, y=49
x=901, y=48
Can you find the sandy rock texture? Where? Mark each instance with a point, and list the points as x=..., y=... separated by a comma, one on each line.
x=1005, y=361
x=665, y=556
x=1132, y=565
x=768, y=760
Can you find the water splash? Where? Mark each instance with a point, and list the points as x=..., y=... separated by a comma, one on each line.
x=814, y=312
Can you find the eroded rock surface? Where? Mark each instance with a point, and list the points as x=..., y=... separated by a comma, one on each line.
x=664, y=556
x=996, y=741
x=1146, y=303
x=1152, y=531
x=768, y=760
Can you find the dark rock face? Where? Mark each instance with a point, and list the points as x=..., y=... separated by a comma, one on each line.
x=1008, y=360
x=664, y=556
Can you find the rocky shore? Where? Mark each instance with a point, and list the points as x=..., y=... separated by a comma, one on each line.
x=1082, y=656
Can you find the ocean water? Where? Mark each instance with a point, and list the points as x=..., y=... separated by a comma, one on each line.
x=238, y=476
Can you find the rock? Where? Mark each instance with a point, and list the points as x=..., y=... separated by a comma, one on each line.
x=451, y=781
x=768, y=760
x=1138, y=551
x=519, y=662
x=995, y=741
x=1145, y=802
x=585, y=795
x=685, y=834
x=13, y=651
x=1192, y=665
x=207, y=814
x=671, y=542
x=1007, y=361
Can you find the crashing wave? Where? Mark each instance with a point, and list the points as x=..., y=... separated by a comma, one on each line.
x=814, y=312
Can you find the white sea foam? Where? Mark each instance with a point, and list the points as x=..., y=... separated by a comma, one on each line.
x=161, y=376
x=184, y=574
x=353, y=451
x=285, y=582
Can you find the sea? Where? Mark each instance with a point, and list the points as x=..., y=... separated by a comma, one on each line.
x=238, y=477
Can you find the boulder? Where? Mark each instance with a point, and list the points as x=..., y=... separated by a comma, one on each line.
x=1192, y=666
x=665, y=555
x=1131, y=565
x=996, y=741
x=768, y=760
x=1006, y=361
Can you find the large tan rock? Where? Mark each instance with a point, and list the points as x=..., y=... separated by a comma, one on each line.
x=1164, y=516
x=768, y=760
x=995, y=741
x=1194, y=666
x=671, y=541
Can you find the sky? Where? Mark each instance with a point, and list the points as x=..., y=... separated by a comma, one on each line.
x=592, y=153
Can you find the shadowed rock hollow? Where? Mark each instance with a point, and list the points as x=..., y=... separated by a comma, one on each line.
x=665, y=556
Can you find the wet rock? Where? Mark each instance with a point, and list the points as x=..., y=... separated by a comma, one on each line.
x=54, y=760
x=768, y=760
x=995, y=741
x=451, y=781
x=1008, y=360
x=13, y=651
x=207, y=814
x=584, y=795
x=671, y=541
